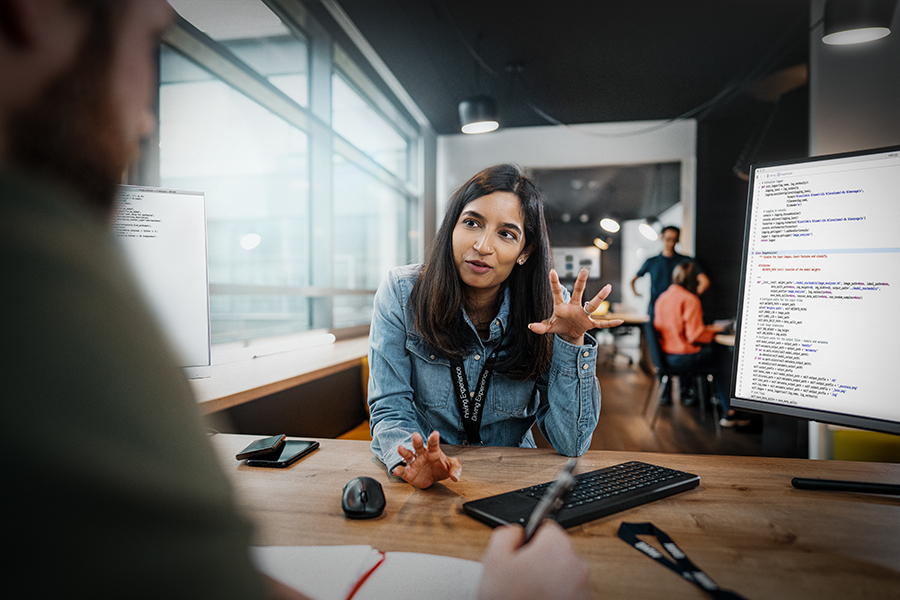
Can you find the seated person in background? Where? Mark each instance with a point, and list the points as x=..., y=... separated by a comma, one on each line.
x=486, y=330
x=112, y=489
x=660, y=269
x=686, y=340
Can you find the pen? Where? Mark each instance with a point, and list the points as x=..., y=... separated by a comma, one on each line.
x=834, y=485
x=551, y=500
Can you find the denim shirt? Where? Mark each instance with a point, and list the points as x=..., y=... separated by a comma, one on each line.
x=410, y=386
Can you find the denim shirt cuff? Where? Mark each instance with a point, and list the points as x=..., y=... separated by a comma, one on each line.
x=583, y=357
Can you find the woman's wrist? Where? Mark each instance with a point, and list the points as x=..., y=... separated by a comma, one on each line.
x=579, y=341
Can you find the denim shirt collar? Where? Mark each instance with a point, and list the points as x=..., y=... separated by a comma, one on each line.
x=500, y=323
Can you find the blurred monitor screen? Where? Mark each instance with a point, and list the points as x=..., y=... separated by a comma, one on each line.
x=163, y=234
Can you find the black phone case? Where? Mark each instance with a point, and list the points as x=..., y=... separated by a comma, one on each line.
x=287, y=456
x=273, y=450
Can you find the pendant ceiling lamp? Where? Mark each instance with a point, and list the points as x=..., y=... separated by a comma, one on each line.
x=857, y=21
x=478, y=114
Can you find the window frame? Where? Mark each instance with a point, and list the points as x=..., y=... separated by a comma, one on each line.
x=325, y=57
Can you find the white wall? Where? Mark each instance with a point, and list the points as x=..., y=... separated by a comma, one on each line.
x=461, y=156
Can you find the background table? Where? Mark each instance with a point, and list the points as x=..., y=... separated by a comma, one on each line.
x=745, y=526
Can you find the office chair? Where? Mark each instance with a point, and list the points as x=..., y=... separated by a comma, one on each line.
x=664, y=374
x=616, y=333
x=361, y=431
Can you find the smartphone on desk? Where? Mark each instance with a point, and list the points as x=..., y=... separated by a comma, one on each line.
x=263, y=447
x=291, y=452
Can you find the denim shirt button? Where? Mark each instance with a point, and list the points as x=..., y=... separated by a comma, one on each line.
x=431, y=357
x=585, y=353
x=584, y=367
x=477, y=357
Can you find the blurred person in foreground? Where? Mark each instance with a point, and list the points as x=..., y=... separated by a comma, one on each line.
x=112, y=489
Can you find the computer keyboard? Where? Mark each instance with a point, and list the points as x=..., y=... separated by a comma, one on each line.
x=595, y=494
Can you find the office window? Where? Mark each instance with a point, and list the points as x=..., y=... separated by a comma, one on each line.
x=372, y=224
x=292, y=247
x=357, y=121
x=255, y=172
x=282, y=60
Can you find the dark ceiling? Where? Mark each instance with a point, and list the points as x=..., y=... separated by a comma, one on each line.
x=586, y=61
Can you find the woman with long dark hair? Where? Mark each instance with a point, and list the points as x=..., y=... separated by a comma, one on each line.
x=482, y=341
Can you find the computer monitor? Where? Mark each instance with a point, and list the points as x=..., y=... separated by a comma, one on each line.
x=163, y=235
x=818, y=327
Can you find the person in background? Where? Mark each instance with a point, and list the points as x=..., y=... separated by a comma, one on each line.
x=111, y=489
x=484, y=329
x=660, y=269
x=687, y=341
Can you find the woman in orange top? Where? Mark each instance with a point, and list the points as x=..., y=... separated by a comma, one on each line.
x=686, y=340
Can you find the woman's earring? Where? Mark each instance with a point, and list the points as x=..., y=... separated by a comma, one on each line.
x=521, y=261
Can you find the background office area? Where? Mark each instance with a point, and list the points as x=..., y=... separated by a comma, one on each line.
x=325, y=136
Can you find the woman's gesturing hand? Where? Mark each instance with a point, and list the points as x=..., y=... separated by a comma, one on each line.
x=426, y=465
x=570, y=320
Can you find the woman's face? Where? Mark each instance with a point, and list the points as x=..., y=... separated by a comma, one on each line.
x=488, y=238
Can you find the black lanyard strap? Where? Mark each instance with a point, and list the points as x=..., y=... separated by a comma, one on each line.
x=682, y=565
x=471, y=405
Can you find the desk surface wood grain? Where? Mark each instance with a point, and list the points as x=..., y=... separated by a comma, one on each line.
x=745, y=525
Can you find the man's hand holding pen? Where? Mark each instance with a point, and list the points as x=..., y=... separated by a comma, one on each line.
x=539, y=560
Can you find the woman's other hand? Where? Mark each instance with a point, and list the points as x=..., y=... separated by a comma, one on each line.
x=427, y=464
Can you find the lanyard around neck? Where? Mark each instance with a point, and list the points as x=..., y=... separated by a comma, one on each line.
x=471, y=404
x=682, y=565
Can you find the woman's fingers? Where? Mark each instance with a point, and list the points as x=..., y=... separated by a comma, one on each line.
x=556, y=287
x=405, y=453
x=544, y=326
x=578, y=289
x=434, y=441
x=425, y=465
x=454, y=468
x=607, y=324
x=601, y=295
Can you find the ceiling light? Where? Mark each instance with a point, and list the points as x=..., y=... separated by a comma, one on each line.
x=647, y=231
x=857, y=21
x=478, y=114
x=609, y=224
x=601, y=244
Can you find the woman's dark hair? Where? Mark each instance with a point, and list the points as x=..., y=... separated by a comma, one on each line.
x=437, y=297
x=685, y=275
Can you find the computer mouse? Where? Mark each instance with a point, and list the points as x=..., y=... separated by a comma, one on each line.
x=363, y=498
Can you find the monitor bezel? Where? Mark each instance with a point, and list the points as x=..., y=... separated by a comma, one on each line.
x=759, y=406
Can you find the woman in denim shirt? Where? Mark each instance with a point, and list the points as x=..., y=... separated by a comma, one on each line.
x=436, y=326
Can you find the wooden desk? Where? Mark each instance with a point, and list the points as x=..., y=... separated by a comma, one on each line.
x=745, y=525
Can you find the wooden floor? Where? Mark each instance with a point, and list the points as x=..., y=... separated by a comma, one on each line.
x=623, y=424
